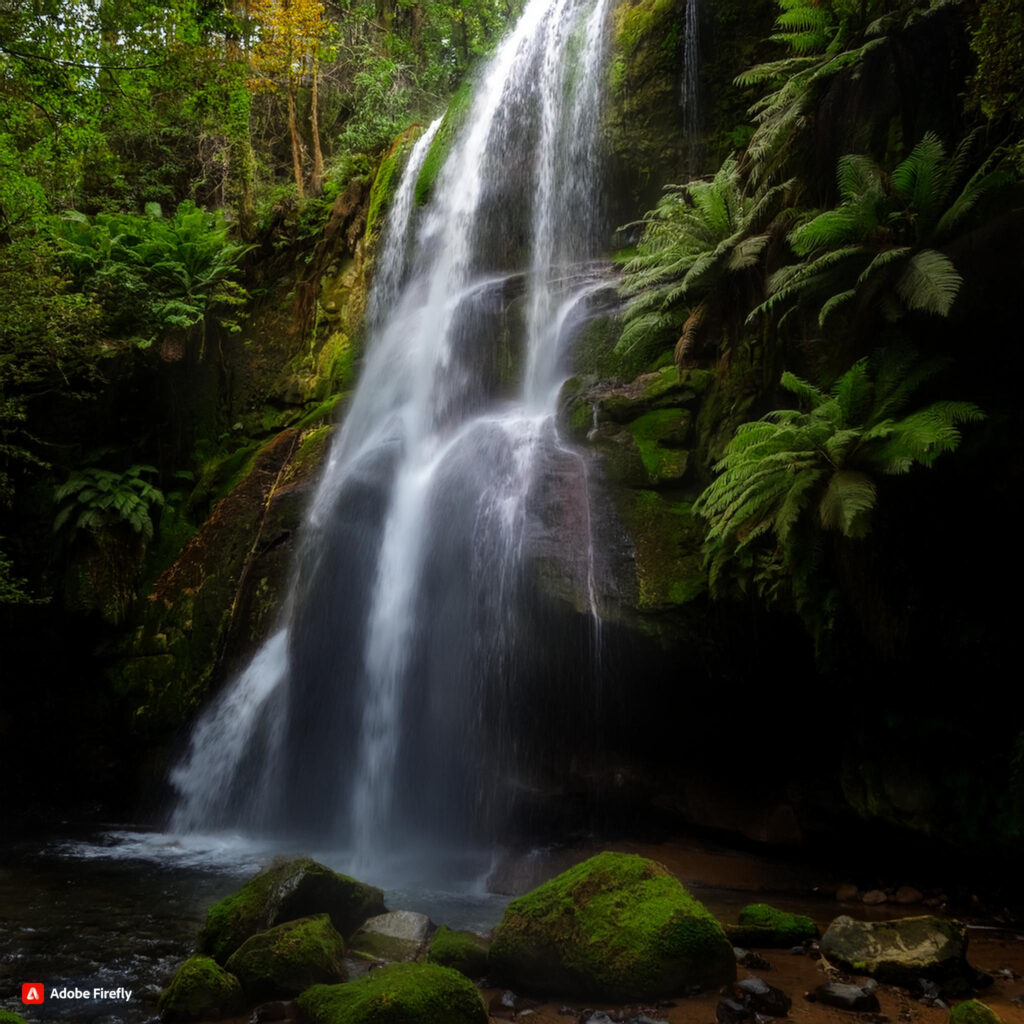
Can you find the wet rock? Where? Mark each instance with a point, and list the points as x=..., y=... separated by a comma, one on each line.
x=412, y=993
x=973, y=1012
x=464, y=952
x=269, y=1012
x=286, y=960
x=399, y=936
x=900, y=951
x=616, y=927
x=201, y=990
x=762, y=998
x=847, y=893
x=748, y=958
x=285, y=891
x=873, y=897
x=846, y=997
x=907, y=894
x=732, y=1011
x=764, y=927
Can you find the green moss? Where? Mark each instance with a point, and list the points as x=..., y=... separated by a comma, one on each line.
x=319, y=413
x=462, y=951
x=201, y=990
x=6, y=1017
x=399, y=994
x=762, y=926
x=667, y=540
x=659, y=436
x=284, y=891
x=617, y=926
x=286, y=960
x=310, y=455
x=971, y=1011
x=442, y=142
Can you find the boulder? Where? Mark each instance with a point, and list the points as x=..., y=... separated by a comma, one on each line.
x=400, y=935
x=899, y=951
x=286, y=960
x=973, y=1012
x=201, y=990
x=288, y=889
x=617, y=927
x=399, y=994
x=764, y=927
x=464, y=952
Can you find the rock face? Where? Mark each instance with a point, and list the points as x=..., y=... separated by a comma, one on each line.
x=400, y=935
x=201, y=990
x=764, y=927
x=617, y=926
x=899, y=951
x=283, y=892
x=286, y=960
x=399, y=994
x=464, y=952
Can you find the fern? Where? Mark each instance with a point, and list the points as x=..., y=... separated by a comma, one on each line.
x=93, y=499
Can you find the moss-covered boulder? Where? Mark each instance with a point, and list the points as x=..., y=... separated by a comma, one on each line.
x=6, y=1017
x=287, y=890
x=286, y=960
x=398, y=936
x=201, y=990
x=464, y=952
x=764, y=927
x=399, y=994
x=971, y=1011
x=616, y=926
x=900, y=951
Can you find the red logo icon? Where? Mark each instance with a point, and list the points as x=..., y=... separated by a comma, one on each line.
x=32, y=992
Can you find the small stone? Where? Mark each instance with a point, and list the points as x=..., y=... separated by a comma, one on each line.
x=874, y=897
x=908, y=894
x=798, y=951
x=748, y=958
x=729, y=1011
x=933, y=901
x=847, y=997
x=847, y=893
x=599, y=1017
x=269, y=1011
x=763, y=998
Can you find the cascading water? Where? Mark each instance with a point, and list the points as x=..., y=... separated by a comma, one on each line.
x=383, y=713
x=690, y=94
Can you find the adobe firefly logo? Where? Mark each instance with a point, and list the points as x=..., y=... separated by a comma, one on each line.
x=32, y=992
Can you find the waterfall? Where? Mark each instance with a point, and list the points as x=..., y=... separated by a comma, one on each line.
x=690, y=94
x=386, y=711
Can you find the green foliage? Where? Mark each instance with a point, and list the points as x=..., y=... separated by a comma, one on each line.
x=93, y=499
x=154, y=274
x=795, y=475
x=696, y=241
x=876, y=249
x=997, y=87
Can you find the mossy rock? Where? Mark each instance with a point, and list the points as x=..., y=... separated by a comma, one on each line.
x=464, y=952
x=399, y=994
x=442, y=143
x=201, y=990
x=6, y=1017
x=764, y=927
x=286, y=960
x=386, y=182
x=971, y=1011
x=287, y=890
x=659, y=436
x=617, y=927
x=900, y=951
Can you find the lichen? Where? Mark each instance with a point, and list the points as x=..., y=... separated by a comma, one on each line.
x=201, y=989
x=286, y=960
x=399, y=994
x=617, y=926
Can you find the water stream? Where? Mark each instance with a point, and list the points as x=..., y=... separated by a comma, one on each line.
x=385, y=713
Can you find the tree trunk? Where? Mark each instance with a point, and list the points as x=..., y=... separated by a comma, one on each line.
x=314, y=123
x=293, y=131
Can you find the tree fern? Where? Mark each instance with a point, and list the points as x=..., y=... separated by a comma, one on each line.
x=93, y=499
x=798, y=473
